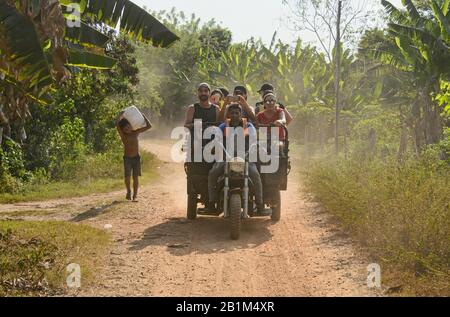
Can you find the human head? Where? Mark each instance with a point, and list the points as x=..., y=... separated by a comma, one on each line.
x=240, y=91
x=270, y=101
x=235, y=113
x=264, y=88
x=224, y=91
x=125, y=125
x=203, y=92
x=216, y=96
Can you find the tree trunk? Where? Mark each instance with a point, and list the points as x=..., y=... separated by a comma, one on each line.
x=337, y=74
x=372, y=138
x=428, y=125
x=345, y=140
x=306, y=141
x=403, y=143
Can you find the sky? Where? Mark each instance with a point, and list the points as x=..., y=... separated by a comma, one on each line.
x=245, y=18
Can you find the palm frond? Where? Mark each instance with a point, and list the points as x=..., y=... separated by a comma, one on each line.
x=24, y=46
x=134, y=20
x=86, y=35
x=84, y=59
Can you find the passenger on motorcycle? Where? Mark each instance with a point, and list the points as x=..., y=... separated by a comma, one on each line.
x=217, y=98
x=204, y=109
x=236, y=120
x=240, y=97
x=273, y=115
x=260, y=106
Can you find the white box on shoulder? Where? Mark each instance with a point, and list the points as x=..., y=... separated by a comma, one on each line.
x=134, y=117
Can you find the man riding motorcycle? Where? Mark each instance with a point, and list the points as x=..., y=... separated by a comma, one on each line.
x=235, y=120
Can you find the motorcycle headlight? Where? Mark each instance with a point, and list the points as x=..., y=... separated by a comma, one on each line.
x=237, y=165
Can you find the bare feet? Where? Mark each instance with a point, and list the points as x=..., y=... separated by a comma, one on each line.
x=135, y=199
x=128, y=197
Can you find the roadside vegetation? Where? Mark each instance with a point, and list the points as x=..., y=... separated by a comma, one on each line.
x=34, y=256
x=389, y=186
x=399, y=212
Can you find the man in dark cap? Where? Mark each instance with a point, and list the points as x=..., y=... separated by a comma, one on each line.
x=224, y=91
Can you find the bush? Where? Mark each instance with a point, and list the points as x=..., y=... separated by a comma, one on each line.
x=67, y=150
x=34, y=255
x=12, y=170
x=24, y=270
x=400, y=212
x=108, y=165
x=11, y=159
x=9, y=184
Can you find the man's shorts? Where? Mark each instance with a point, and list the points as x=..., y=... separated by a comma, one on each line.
x=132, y=166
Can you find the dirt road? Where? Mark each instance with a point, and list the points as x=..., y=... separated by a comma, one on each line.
x=157, y=252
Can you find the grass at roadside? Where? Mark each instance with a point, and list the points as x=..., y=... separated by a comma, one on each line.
x=401, y=213
x=85, y=184
x=34, y=256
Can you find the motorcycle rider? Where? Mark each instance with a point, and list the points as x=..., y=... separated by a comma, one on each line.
x=236, y=120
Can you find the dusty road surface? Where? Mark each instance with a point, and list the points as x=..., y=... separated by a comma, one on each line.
x=157, y=252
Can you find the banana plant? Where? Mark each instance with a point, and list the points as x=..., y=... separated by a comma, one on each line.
x=240, y=64
x=300, y=73
x=38, y=45
x=420, y=44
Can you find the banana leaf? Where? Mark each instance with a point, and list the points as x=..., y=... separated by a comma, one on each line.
x=134, y=20
x=84, y=59
x=86, y=35
x=23, y=41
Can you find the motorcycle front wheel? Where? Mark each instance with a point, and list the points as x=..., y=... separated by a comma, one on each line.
x=235, y=216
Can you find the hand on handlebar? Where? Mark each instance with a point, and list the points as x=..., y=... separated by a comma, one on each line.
x=279, y=124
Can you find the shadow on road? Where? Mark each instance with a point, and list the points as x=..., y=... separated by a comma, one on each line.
x=93, y=212
x=203, y=236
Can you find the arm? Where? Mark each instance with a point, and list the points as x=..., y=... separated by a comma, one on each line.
x=189, y=121
x=223, y=111
x=248, y=109
x=119, y=117
x=253, y=136
x=289, y=117
x=147, y=127
x=252, y=131
x=218, y=112
x=281, y=120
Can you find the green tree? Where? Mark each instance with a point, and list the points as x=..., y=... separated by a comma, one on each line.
x=419, y=44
